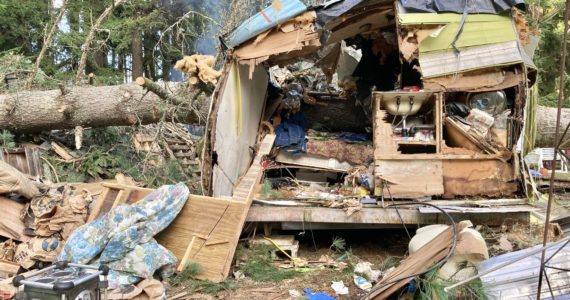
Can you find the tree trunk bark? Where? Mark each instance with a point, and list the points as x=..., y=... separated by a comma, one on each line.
x=120, y=105
x=136, y=52
x=546, y=118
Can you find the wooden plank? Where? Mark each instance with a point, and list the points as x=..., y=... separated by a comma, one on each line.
x=10, y=224
x=411, y=179
x=8, y=268
x=99, y=203
x=433, y=156
x=313, y=161
x=388, y=217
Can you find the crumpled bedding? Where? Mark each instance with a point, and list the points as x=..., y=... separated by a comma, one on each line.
x=123, y=238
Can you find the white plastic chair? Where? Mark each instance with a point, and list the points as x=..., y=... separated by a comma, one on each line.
x=547, y=155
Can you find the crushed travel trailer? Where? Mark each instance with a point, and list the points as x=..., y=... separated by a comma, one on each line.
x=362, y=104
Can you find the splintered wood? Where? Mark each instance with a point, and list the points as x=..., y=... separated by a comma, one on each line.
x=420, y=261
x=288, y=40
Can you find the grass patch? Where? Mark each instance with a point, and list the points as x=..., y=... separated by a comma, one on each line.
x=259, y=265
x=187, y=280
x=338, y=244
x=388, y=262
x=432, y=287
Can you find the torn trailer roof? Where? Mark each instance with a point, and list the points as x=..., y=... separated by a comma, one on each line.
x=363, y=103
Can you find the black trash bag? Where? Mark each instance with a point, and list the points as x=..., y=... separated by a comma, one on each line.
x=457, y=109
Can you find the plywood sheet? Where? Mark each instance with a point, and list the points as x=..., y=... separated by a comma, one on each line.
x=213, y=223
x=237, y=123
x=411, y=178
x=491, y=178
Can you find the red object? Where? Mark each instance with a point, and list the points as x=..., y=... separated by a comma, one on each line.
x=413, y=88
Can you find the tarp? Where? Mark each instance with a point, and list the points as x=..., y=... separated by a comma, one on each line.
x=333, y=9
x=264, y=20
x=458, y=6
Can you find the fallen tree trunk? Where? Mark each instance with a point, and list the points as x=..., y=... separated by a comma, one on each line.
x=121, y=105
x=546, y=118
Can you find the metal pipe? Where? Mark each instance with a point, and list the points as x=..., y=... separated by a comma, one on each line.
x=557, y=139
x=447, y=289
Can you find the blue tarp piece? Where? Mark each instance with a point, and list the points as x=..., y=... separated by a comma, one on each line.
x=333, y=9
x=264, y=20
x=123, y=238
x=458, y=6
x=317, y=296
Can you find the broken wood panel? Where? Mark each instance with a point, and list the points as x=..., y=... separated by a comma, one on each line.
x=26, y=160
x=490, y=79
x=410, y=179
x=11, y=226
x=384, y=143
x=213, y=223
x=277, y=42
x=369, y=21
x=491, y=178
x=114, y=195
x=237, y=123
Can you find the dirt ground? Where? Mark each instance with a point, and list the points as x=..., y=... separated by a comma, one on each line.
x=375, y=246
x=372, y=246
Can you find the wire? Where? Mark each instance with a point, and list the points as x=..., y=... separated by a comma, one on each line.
x=385, y=183
x=443, y=261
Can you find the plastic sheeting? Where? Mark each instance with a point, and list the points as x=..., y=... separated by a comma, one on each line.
x=458, y=6
x=264, y=20
x=330, y=11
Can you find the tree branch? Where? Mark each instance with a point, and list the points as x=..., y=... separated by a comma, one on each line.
x=47, y=43
x=89, y=39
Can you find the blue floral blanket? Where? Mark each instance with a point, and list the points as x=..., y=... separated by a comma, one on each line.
x=123, y=238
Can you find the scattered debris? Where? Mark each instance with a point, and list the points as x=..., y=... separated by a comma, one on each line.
x=365, y=269
x=339, y=288
x=362, y=283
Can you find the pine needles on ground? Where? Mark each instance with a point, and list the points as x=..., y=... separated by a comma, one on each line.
x=259, y=265
x=187, y=280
